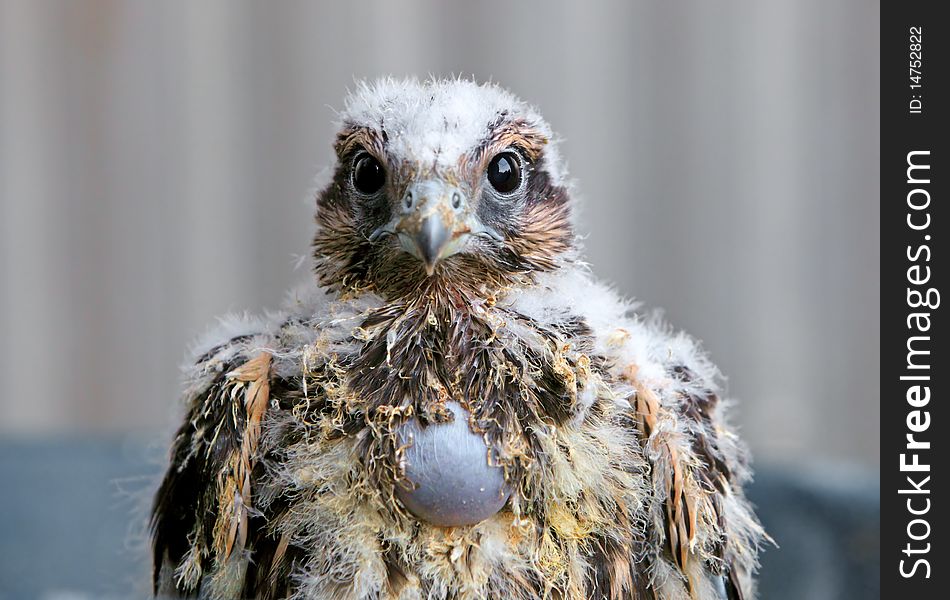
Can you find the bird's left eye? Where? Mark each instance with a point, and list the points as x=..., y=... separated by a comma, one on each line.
x=368, y=175
x=504, y=172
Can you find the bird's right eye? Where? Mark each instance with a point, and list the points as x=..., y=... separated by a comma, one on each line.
x=368, y=175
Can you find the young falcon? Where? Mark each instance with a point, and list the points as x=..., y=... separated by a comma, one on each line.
x=456, y=409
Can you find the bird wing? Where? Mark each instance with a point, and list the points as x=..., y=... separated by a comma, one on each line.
x=700, y=537
x=202, y=511
x=698, y=515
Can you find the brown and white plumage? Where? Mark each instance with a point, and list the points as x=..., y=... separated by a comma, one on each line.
x=440, y=297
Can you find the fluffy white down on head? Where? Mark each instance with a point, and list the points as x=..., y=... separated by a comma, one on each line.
x=436, y=121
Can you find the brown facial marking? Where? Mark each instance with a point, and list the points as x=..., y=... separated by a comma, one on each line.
x=505, y=134
x=545, y=233
x=352, y=137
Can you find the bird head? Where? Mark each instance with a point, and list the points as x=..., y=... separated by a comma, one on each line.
x=441, y=185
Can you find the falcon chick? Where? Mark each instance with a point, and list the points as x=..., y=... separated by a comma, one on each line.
x=455, y=408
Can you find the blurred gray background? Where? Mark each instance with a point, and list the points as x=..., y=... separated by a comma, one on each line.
x=157, y=159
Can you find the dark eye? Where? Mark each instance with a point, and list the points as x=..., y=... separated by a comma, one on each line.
x=368, y=175
x=504, y=172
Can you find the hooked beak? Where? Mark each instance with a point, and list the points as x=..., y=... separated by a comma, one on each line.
x=433, y=221
x=431, y=239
